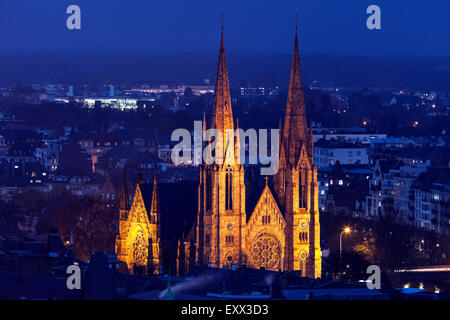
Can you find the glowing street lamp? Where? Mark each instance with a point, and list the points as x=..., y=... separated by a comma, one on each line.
x=346, y=230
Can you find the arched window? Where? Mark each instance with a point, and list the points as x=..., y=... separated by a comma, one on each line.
x=229, y=239
x=229, y=189
x=302, y=186
x=303, y=236
x=265, y=219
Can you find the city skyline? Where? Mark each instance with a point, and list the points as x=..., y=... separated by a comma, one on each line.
x=134, y=152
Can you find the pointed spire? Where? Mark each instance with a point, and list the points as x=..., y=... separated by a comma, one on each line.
x=295, y=128
x=154, y=210
x=204, y=126
x=124, y=198
x=222, y=115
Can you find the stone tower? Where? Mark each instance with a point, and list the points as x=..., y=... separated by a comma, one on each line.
x=221, y=217
x=296, y=181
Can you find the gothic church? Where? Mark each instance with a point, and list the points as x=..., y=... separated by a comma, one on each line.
x=278, y=231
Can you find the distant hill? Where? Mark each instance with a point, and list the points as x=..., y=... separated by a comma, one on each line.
x=265, y=69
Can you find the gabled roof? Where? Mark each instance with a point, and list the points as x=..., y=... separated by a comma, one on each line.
x=253, y=192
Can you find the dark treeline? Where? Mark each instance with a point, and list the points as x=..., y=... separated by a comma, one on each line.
x=255, y=69
x=255, y=112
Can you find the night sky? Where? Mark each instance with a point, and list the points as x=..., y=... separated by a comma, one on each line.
x=409, y=27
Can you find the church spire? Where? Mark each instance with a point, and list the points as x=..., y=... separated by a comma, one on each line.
x=204, y=127
x=295, y=129
x=222, y=115
x=154, y=210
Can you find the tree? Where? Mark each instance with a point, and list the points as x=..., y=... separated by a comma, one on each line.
x=92, y=224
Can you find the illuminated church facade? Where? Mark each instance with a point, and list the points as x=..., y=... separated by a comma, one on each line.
x=279, y=230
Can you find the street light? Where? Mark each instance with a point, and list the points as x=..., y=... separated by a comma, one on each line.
x=346, y=230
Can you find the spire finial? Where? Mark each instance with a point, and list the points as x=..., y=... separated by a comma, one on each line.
x=266, y=178
x=296, y=19
x=221, y=19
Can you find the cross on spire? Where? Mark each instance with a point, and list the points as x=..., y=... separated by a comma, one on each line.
x=266, y=178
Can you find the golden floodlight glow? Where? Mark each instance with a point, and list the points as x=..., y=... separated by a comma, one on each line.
x=347, y=229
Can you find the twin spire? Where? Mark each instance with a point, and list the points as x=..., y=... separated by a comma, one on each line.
x=295, y=131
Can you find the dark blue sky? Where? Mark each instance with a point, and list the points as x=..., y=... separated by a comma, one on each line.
x=409, y=27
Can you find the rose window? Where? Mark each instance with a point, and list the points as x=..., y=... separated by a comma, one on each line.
x=140, y=250
x=266, y=252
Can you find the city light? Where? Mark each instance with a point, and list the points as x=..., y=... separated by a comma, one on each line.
x=180, y=177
